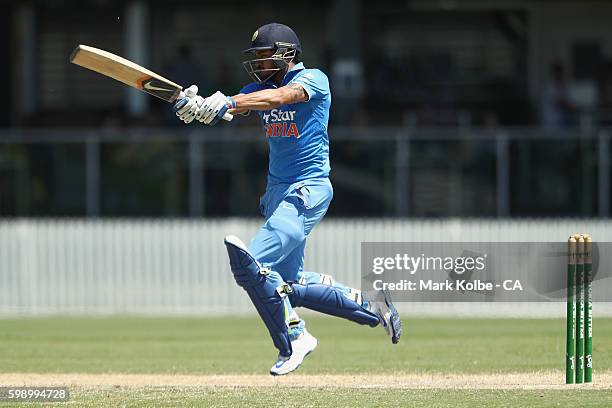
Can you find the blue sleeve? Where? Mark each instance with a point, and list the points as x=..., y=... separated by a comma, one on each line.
x=315, y=83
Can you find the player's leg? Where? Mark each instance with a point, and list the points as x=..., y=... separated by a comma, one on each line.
x=294, y=214
x=322, y=293
x=266, y=295
x=280, y=235
x=290, y=213
x=287, y=270
x=309, y=278
x=325, y=295
x=282, y=232
x=317, y=291
x=311, y=202
x=268, y=292
x=312, y=278
x=279, y=244
x=278, y=241
x=302, y=342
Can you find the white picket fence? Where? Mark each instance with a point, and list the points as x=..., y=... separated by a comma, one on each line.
x=181, y=266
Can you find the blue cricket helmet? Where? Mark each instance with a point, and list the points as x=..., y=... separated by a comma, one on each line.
x=273, y=36
x=279, y=38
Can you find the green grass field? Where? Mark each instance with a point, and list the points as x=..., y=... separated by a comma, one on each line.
x=241, y=346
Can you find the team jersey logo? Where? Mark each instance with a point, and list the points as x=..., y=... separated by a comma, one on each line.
x=280, y=123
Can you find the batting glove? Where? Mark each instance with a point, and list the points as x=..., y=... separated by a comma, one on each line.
x=187, y=106
x=214, y=107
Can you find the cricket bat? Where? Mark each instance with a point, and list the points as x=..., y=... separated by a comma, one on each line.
x=128, y=72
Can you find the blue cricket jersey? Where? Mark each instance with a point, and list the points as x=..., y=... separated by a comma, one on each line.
x=297, y=133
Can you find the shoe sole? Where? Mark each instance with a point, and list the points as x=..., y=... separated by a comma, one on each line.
x=395, y=321
x=298, y=366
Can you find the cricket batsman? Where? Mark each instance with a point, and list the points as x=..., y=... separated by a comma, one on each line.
x=293, y=104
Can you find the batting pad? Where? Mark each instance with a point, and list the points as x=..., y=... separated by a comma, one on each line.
x=267, y=299
x=330, y=300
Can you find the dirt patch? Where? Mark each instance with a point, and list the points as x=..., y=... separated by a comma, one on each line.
x=527, y=381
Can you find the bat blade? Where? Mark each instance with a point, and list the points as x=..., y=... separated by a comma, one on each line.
x=123, y=70
x=128, y=72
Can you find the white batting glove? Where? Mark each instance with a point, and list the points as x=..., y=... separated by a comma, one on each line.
x=213, y=108
x=187, y=106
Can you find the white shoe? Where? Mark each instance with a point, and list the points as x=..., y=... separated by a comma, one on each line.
x=302, y=346
x=388, y=316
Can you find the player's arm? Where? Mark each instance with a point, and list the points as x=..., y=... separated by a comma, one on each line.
x=239, y=111
x=269, y=98
x=212, y=109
